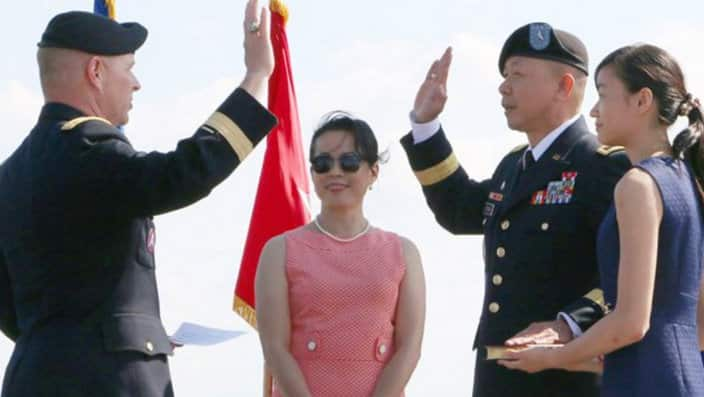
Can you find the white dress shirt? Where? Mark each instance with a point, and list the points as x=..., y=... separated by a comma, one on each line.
x=547, y=141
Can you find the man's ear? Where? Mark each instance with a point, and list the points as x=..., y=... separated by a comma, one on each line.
x=565, y=86
x=95, y=72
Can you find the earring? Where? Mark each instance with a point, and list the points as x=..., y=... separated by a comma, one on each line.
x=370, y=187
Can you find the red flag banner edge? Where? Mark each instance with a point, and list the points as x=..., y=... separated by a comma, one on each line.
x=243, y=303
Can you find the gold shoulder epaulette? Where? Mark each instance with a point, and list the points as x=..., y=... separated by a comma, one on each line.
x=519, y=148
x=605, y=150
x=71, y=124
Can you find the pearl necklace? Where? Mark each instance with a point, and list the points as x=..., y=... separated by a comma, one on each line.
x=340, y=239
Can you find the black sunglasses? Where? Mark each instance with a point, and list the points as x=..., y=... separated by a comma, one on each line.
x=349, y=162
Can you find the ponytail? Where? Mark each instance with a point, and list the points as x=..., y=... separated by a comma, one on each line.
x=688, y=144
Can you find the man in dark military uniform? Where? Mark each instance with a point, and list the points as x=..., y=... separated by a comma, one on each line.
x=78, y=292
x=539, y=212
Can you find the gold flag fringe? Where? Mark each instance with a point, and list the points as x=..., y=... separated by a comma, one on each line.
x=245, y=311
x=280, y=8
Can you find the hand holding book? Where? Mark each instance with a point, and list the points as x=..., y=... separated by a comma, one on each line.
x=537, y=357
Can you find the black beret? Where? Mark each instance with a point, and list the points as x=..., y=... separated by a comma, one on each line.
x=540, y=40
x=92, y=33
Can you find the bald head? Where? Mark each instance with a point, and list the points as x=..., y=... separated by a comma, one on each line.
x=61, y=70
x=97, y=85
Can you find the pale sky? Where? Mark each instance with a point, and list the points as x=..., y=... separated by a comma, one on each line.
x=364, y=56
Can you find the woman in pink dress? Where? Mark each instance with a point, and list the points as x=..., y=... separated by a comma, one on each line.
x=341, y=303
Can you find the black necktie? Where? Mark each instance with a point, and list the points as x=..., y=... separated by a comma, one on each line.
x=528, y=160
x=525, y=162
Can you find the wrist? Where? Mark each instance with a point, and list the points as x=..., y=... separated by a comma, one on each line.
x=256, y=77
x=420, y=117
x=564, y=330
x=256, y=86
x=554, y=358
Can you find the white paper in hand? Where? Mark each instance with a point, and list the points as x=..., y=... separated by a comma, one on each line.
x=194, y=334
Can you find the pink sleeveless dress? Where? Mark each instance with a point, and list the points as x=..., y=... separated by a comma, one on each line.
x=342, y=302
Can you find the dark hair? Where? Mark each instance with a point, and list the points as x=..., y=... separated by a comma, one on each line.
x=364, y=140
x=648, y=66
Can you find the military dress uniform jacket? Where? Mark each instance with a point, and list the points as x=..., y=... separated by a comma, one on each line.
x=78, y=292
x=539, y=229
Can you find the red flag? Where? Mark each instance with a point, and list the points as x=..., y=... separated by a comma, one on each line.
x=282, y=196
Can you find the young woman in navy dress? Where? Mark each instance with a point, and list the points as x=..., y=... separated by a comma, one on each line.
x=651, y=243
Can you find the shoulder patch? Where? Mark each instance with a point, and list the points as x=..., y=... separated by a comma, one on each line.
x=605, y=150
x=519, y=148
x=71, y=124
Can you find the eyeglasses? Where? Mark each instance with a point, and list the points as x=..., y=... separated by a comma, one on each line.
x=349, y=162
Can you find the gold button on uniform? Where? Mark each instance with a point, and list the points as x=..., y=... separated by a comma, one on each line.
x=150, y=346
x=494, y=307
x=312, y=346
x=500, y=252
x=497, y=279
x=505, y=224
x=545, y=226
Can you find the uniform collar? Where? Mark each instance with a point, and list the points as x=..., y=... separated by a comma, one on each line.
x=547, y=141
x=59, y=111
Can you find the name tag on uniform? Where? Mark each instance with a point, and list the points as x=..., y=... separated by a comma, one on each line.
x=557, y=192
x=489, y=209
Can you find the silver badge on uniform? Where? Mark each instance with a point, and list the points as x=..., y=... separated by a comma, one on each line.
x=539, y=36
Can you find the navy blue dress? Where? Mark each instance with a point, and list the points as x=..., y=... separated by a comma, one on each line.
x=667, y=361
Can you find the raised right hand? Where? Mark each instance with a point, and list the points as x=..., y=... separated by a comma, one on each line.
x=258, y=53
x=432, y=94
